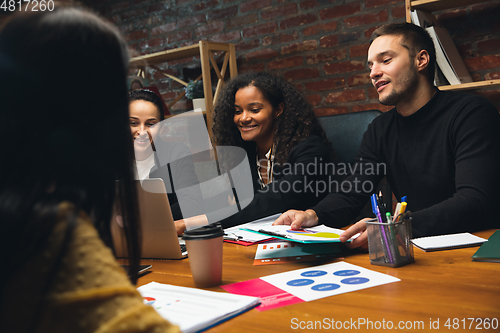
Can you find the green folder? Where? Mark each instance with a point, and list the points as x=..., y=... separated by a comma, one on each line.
x=490, y=250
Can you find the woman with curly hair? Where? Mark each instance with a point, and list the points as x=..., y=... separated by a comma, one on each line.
x=285, y=144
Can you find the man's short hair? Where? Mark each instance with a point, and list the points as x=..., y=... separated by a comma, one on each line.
x=414, y=39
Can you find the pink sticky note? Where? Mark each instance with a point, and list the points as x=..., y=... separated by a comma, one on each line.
x=270, y=296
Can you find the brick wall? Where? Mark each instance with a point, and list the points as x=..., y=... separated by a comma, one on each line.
x=320, y=46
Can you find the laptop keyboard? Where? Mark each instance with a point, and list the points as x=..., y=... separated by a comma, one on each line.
x=182, y=244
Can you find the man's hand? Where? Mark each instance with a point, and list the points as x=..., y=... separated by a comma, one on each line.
x=298, y=219
x=190, y=223
x=360, y=241
x=180, y=226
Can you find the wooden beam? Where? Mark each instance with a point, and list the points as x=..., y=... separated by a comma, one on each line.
x=168, y=75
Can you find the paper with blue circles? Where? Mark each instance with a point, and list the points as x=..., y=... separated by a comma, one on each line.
x=321, y=281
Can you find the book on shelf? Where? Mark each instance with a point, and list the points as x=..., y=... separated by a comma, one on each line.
x=439, y=78
x=423, y=19
x=448, y=59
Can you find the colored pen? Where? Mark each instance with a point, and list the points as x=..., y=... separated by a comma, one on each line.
x=403, y=207
x=376, y=210
x=380, y=204
x=272, y=233
x=374, y=204
x=396, y=212
x=388, y=217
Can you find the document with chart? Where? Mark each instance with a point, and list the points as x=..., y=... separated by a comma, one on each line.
x=317, y=234
x=308, y=284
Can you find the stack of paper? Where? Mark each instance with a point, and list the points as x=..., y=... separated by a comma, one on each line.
x=194, y=309
x=243, y=237
x=447, y=242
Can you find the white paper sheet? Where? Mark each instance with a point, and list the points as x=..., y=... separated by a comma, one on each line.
x=321, y=281
x=194, y=309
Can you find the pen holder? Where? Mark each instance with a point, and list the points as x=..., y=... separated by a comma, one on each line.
x=389, y=243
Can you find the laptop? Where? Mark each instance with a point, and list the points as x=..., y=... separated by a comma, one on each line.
x=159, y=235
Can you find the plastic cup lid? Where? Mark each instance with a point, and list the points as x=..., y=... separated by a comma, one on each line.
x=204, y=232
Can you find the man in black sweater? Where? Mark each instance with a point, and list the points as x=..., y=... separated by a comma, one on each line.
x=440, y=149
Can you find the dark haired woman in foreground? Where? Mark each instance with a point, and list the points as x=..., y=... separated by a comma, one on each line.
x=66, y=146
x=285, y=144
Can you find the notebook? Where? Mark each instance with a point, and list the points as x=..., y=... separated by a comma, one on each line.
x=490, y=250
x=159, y=235
x=193, y=309
x=447, y=242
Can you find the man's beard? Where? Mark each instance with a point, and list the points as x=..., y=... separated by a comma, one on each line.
x=407, y=86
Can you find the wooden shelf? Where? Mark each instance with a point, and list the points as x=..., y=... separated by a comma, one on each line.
x=175, y=54
x=437, y=5
x=188, y=114
x=471, y=85
x=205, y=50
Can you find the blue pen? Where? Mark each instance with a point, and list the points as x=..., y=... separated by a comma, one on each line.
x=376, y=211
x=374, y=204
x=403, y=199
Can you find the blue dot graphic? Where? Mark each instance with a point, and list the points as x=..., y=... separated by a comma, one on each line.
x=357, y=280
x=347, y=272
x=325, y=287
x=300, y=282
x=314, y=273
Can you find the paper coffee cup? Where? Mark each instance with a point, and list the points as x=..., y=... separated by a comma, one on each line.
x=204, y=246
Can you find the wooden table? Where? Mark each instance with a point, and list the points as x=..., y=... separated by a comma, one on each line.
x=443, y=285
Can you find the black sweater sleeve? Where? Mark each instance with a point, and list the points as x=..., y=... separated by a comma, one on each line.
x=357, y=182
x=445, y=158
x=300, y=183
x=475, y=137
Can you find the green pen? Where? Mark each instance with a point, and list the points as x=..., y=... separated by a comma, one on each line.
x=388, y=216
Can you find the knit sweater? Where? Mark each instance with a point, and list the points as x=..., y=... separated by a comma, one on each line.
x=89, y=291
